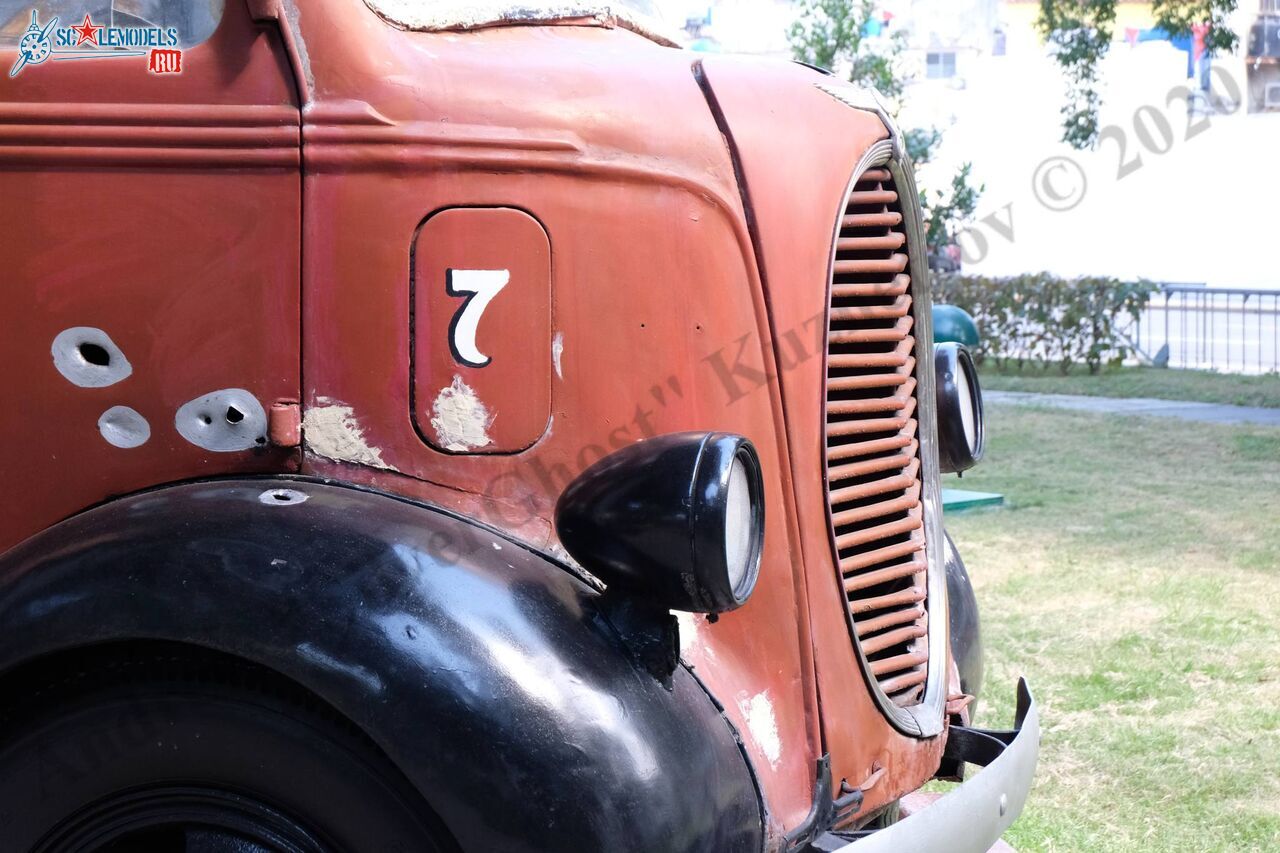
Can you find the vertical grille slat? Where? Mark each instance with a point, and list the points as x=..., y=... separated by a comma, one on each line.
x=900, y=331
x=887, y=219
x=905, y=503
x=875, y=380
x=870, y=579
x=896, y=287
x=879, y=643
x=872, y=425
x=872, y=450
x=872, y=466
x=889, y=620
x=891, y=264
x=892, y=240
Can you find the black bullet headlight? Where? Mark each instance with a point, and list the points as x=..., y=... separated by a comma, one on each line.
x=676, y=520
x=962, y=432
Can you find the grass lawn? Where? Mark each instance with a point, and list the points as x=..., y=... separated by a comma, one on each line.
x=1198, y=385
x=1134, y=577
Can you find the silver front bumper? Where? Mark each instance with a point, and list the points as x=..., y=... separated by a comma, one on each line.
x=971, y=818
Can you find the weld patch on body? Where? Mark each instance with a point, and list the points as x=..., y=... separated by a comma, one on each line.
x=474, y=14
x=460, y=419
x=73, y=350
x=123, y=427
x=763, y=726
x=223, y=421
x=557, y=350
x=292, y=13
x=332, y=431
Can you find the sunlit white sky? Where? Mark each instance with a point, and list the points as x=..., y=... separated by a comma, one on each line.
x=1201, y=207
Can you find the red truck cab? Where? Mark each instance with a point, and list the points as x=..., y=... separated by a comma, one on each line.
x=439, y=427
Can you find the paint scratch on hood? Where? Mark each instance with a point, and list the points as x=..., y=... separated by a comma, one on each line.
x=453, y=15
x=758, y=711
x=461, y=420
x=557, y=350
x=332, y=431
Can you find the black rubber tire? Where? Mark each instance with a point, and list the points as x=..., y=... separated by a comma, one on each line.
x=139, y=726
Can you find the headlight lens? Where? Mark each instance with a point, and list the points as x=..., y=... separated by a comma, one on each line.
x=738, y=529
x=961, y=433
x=968, y=417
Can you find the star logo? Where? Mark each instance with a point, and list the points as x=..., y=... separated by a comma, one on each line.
x=87, y=32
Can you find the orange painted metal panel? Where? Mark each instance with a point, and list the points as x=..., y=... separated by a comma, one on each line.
x=654, y=278
x=162, y=211
x=482, y=330
x=795, y=232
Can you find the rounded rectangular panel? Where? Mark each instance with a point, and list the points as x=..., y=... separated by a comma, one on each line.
x=481, y=323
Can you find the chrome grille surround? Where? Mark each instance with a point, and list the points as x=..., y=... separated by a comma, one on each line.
x=920, y=716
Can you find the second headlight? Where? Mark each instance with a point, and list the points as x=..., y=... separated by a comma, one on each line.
x=961, y=420
x=677, y=520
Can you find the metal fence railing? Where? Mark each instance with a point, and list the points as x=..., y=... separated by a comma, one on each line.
x=1234, y=330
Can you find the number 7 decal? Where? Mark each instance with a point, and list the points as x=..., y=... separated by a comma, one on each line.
x=480, y=287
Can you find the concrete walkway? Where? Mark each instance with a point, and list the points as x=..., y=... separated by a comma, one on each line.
x=1205, y=412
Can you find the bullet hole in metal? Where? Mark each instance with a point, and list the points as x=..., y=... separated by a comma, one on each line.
x=282, y=497
x=88, y=358
x=94, y=354
x=227, y=420
x=123, y=427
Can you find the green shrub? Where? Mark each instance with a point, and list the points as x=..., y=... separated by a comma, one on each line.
x=1045, y=320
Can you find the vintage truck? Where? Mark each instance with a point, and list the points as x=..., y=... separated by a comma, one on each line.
x=470, y=427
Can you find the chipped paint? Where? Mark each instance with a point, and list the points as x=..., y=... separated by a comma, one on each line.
x=440, y=16
x=688, y=632
x=461, y=420
x=124, y=427
x=762, y=725
x=364, y=675
x=332, y=431
x=557, y=350
x=292, y=14
x=692, y=636
x=557, y=552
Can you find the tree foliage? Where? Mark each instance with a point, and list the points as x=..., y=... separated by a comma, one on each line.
x=947, y=212
x=831, y=34
x=1079, y=33
x=1177, y=17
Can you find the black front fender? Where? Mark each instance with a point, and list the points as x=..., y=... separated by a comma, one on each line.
x=481, y=668
x=966, y=625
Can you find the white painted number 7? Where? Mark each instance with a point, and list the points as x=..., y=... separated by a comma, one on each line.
x=479, y=286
